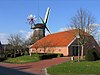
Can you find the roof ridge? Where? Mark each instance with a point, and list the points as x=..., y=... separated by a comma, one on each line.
x=62, y=32
x=71, y=30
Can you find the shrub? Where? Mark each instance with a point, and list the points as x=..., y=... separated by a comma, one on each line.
x=2, y=57
x=92, y=55
x=60, y=55
x=89, y=56
x=48, y=56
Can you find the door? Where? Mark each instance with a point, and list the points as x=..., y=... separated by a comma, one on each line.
x=75, y=50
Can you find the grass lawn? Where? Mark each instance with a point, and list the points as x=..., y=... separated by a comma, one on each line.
x=23, y=59
x=76, y=68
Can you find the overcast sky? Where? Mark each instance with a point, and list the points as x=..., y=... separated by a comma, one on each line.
x=13, y=14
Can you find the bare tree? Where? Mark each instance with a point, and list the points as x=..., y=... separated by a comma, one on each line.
x=99, y=43
x=31, y=40
x=98, y=36
x=16, y=41
x=85, y=22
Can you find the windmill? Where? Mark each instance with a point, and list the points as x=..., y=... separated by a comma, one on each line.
x=39, y=28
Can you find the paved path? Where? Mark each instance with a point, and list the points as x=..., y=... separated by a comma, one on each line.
x=9, y=71
x=36, y=67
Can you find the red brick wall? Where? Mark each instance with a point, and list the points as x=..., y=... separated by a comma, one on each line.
x=57, y=50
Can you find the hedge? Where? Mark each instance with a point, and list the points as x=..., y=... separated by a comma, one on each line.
x=92, y=55
x=49, y=56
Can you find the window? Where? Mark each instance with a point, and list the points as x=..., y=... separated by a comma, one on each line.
x=48, y=50
x=59, y=50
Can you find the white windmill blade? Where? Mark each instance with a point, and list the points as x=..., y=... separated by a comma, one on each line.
x=41, y=19
x=46, y=15
x=34, y=18
x=30, y=16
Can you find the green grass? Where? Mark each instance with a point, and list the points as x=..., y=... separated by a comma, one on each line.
x=23, y=59
x=76, y=68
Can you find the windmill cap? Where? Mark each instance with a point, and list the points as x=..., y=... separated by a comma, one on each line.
x=39, y=25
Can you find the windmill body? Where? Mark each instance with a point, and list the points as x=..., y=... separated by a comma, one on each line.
x=39, y=31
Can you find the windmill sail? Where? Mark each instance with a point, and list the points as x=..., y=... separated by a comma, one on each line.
x=46, y=19
x=46, y=15
x=31, y=19
x=48, y=30
x=41, y=19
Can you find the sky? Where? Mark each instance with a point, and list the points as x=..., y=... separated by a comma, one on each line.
x=13, y=14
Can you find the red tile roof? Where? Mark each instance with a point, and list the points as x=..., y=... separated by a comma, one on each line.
x=58, y=39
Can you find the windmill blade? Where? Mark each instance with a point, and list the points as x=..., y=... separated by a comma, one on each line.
x=48, y=30
x=42, y=20
x=46, y=15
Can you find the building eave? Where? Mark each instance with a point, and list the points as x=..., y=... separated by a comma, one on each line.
x=71, y=42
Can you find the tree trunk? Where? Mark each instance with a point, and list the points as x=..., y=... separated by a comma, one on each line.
x=78, y=52
x=14, y=55
x=78, y=55
x=82, y=51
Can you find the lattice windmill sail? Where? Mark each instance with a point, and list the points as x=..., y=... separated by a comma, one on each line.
x=31, y=20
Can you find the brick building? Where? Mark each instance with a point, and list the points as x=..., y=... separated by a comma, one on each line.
x=66, y=43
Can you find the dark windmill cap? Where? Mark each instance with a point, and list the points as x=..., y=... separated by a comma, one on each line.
x=39, y=25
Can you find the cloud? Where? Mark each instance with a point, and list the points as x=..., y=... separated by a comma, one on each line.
x=26, y=34
x=29, y=34
x=63, y=29
x=22, y=31
x=97, y=25
x=97, y=35
x=3, y=38
x=46, y=33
